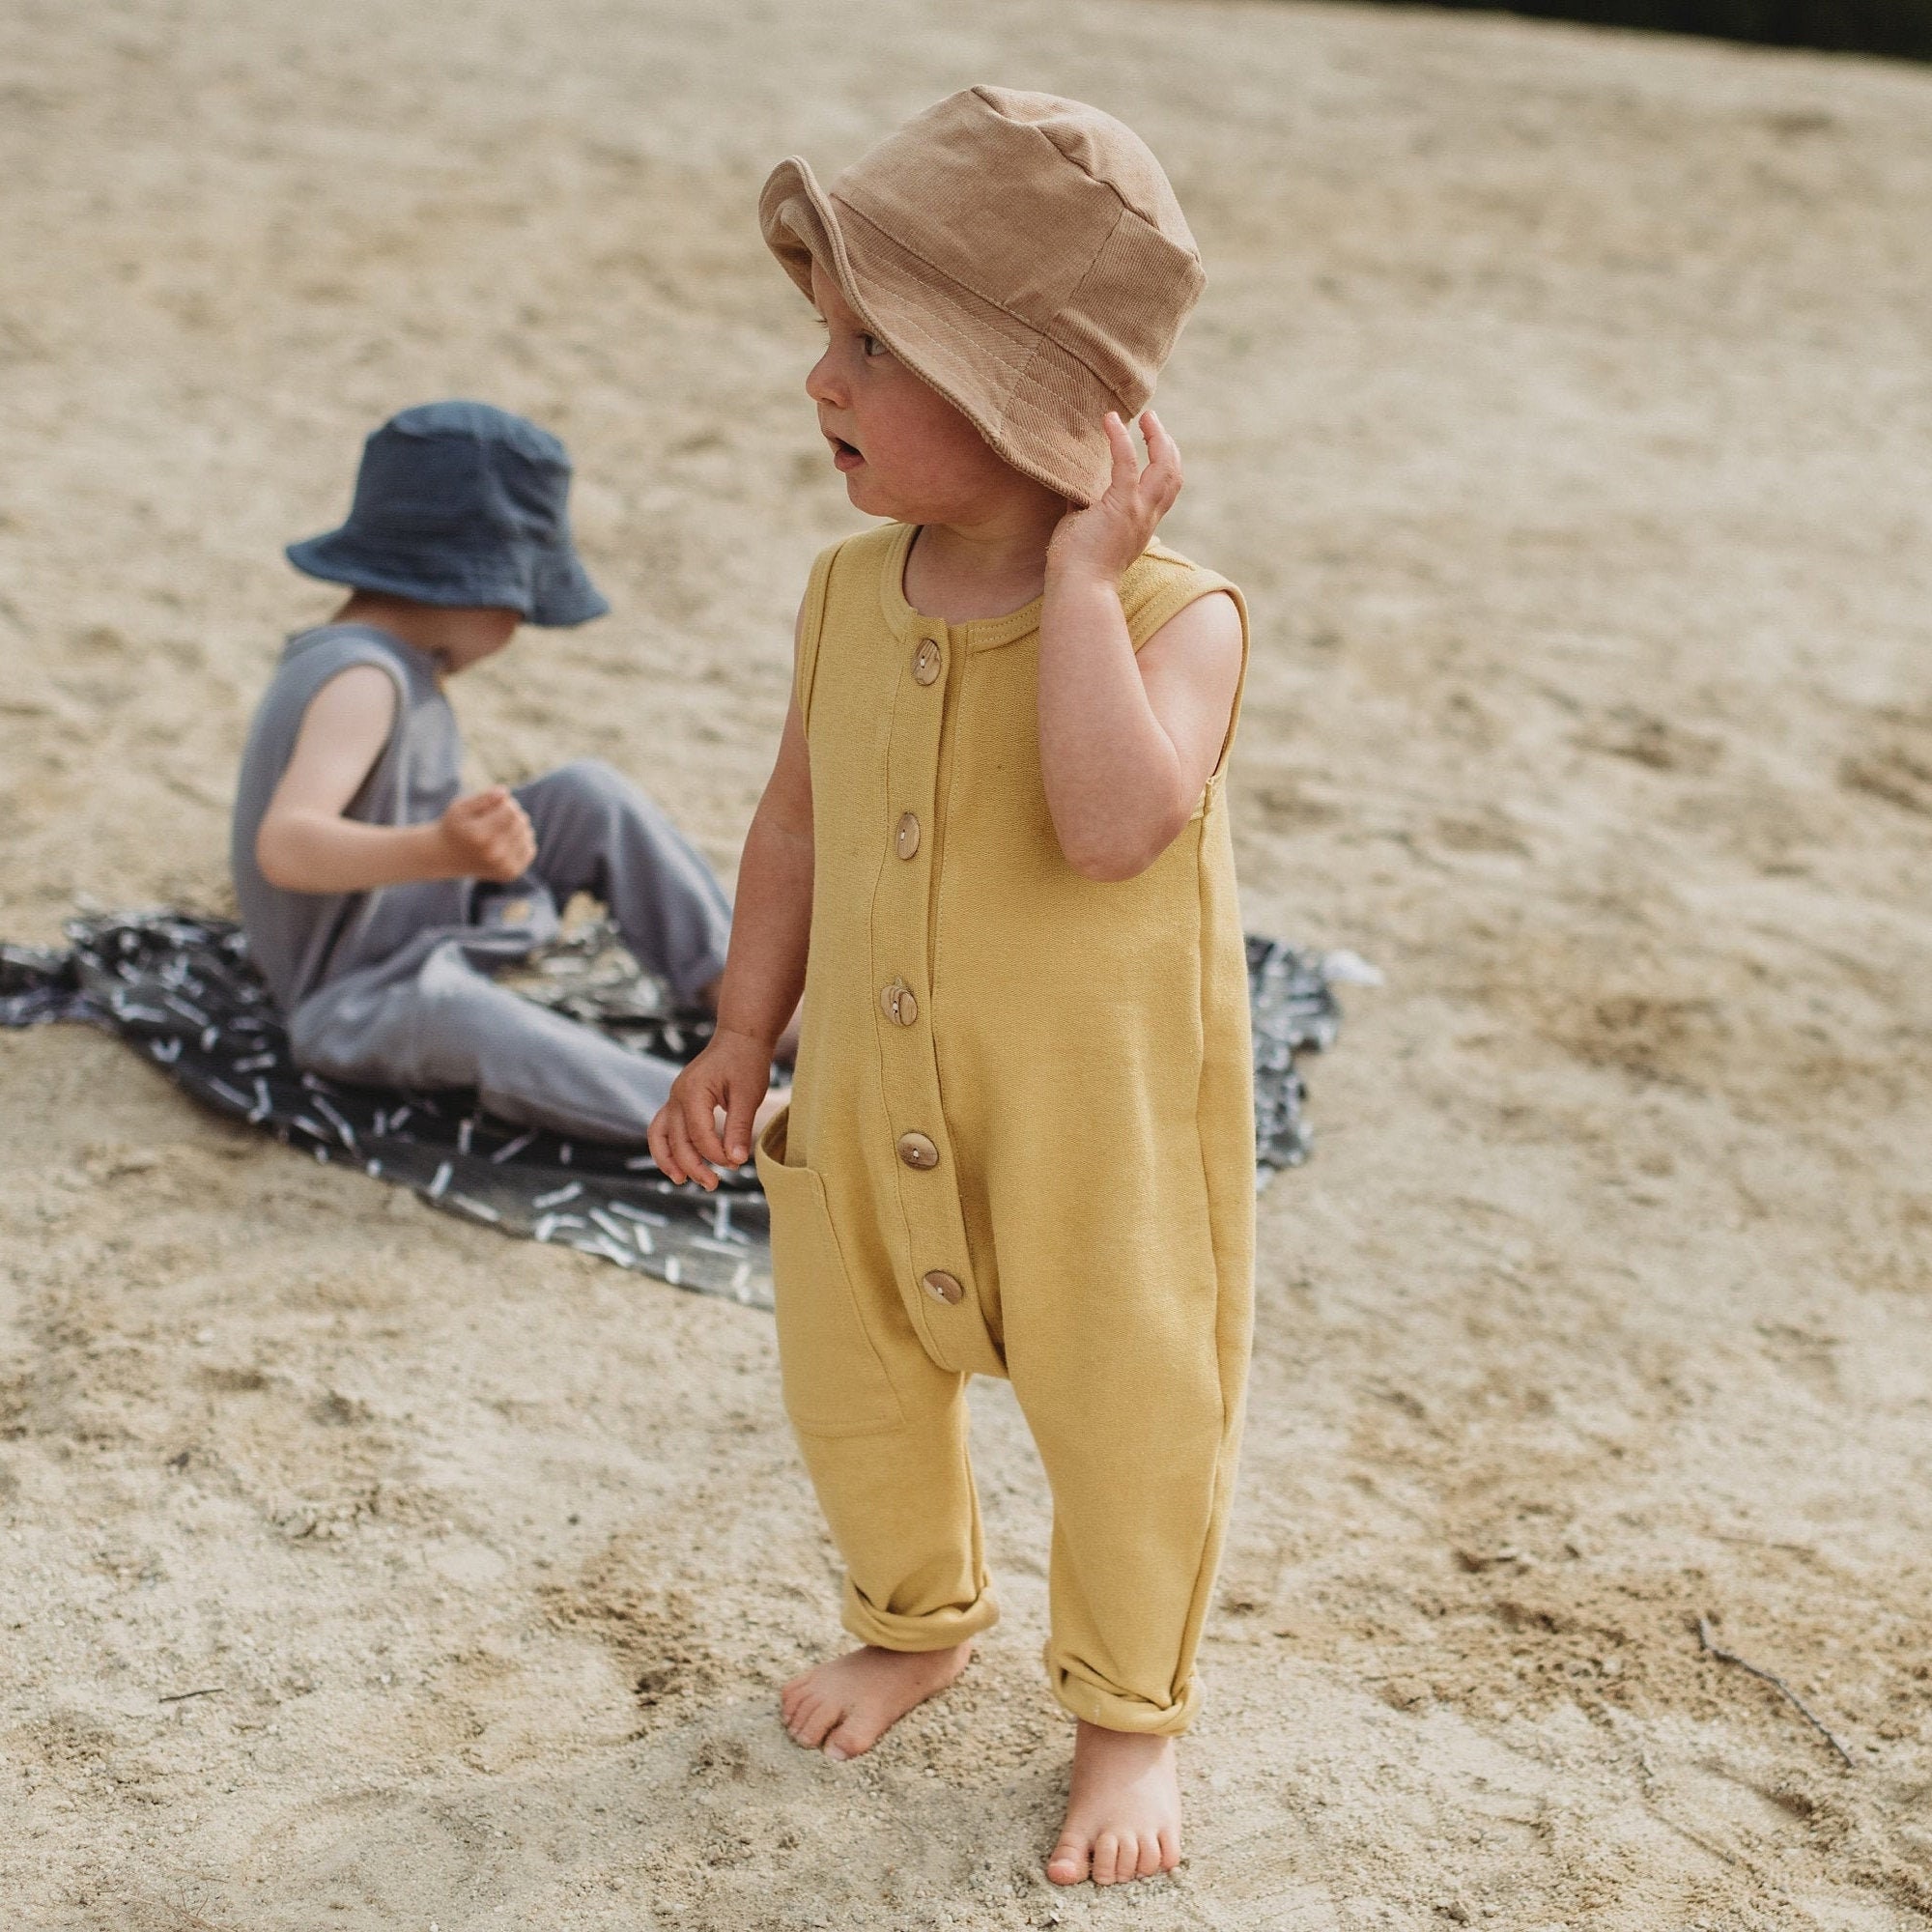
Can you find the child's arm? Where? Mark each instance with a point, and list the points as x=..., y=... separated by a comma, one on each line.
x=764, y=975
x=305, y=845
x=1127, y=743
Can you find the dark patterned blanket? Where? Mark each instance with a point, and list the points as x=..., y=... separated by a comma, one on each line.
x=178, y=987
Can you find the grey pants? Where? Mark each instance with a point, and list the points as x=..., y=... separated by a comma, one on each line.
x=430, y=1016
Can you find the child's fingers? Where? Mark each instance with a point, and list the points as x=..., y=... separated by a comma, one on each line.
x=684, y=1158
x=1126, y=467
x=1163, y=470
x=499, y=832
x=739, y=1113
x=657, y=1137
x=701, y=1118
x=480, y=805
x=669, y=1147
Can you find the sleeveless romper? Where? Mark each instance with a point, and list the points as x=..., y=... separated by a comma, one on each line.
x=1020, y=1143
x=392, y=986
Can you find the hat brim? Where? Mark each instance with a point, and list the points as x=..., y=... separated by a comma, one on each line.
x=553, y=590
x=563, y=594
x=1039, y=408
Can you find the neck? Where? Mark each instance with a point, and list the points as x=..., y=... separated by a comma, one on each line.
x=985, y=566
x=453, y=638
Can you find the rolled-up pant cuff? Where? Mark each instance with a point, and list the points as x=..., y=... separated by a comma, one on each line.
x=1112, y=1711
x=938, y=1630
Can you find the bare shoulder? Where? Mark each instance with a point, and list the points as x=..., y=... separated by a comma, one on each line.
x=343, y=732
x=1202, y=639
x=357, y=699
x=1191, y=669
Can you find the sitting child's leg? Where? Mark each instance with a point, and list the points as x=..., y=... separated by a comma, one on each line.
x=443, y=1023
x=597, y=834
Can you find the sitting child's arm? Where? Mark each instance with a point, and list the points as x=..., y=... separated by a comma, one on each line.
x=764, y=975
x=305, y=845
x=1127, y=743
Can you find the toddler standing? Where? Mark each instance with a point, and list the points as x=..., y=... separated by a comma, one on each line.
x=994, y=853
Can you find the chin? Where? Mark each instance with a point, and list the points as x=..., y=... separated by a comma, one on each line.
x=873, y=498
x=863, y=493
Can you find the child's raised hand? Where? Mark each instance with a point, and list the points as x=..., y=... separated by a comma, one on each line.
x=1101, y=540
x=729, y=1077
x=488, y=836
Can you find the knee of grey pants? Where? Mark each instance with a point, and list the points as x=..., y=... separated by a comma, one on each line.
x=447, y=1025
x=598, y=834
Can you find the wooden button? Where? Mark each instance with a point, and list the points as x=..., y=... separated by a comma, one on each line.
x=916, y=1151
x=944, y=1287
x=905, y=841
x=898, y=1003
x=926, y=662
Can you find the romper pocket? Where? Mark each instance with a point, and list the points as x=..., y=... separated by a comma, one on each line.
x=834, y=1383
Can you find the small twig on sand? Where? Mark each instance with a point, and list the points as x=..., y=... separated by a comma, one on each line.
x=1777, y=1683
x=181, y=1697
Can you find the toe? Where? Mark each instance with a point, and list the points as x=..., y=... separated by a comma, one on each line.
x=848, y=1740
x=813, y=1716
x=1107, y=1858
x=1170, y=1849
x=1068, y=1864
x=1148, y=1861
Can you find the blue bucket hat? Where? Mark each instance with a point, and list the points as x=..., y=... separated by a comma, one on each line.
x=461, y=503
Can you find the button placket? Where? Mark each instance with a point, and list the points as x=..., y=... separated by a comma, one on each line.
x=935, y=1287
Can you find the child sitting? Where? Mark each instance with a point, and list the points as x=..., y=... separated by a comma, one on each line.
x=995, y=853
x=377, y=898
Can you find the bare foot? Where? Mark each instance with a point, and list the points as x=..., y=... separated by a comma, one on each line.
x=1123, y=1812
x=844, y=1708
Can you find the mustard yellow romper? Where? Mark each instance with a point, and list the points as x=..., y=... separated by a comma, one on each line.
x=1020, y=1143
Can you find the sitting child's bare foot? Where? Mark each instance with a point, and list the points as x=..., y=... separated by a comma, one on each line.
x=846, y=1707
x=1123, y=1812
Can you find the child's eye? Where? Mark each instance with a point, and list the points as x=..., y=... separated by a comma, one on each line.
x=871, y=344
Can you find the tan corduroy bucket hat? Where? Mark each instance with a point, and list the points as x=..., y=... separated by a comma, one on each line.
x=1022, y=254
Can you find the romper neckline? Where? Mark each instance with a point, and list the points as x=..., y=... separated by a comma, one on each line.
x=413, y=656
x=977, y=634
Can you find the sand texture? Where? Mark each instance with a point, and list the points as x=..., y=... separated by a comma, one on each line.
x=1564, y=403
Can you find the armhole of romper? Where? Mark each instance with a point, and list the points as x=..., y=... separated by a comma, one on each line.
x=1171, y=594
x=378, y=659
x=811, y=630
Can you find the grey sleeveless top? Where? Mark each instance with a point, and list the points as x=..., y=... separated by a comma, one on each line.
x=301, y=940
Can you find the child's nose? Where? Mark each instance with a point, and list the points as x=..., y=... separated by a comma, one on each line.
x=822, y=385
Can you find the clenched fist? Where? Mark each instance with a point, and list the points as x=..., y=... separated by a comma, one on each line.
x=488, y=836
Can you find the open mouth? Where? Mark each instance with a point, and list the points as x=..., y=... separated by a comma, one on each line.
x=844, y=455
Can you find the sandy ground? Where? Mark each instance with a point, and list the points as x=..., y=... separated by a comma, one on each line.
x=1564, y=403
